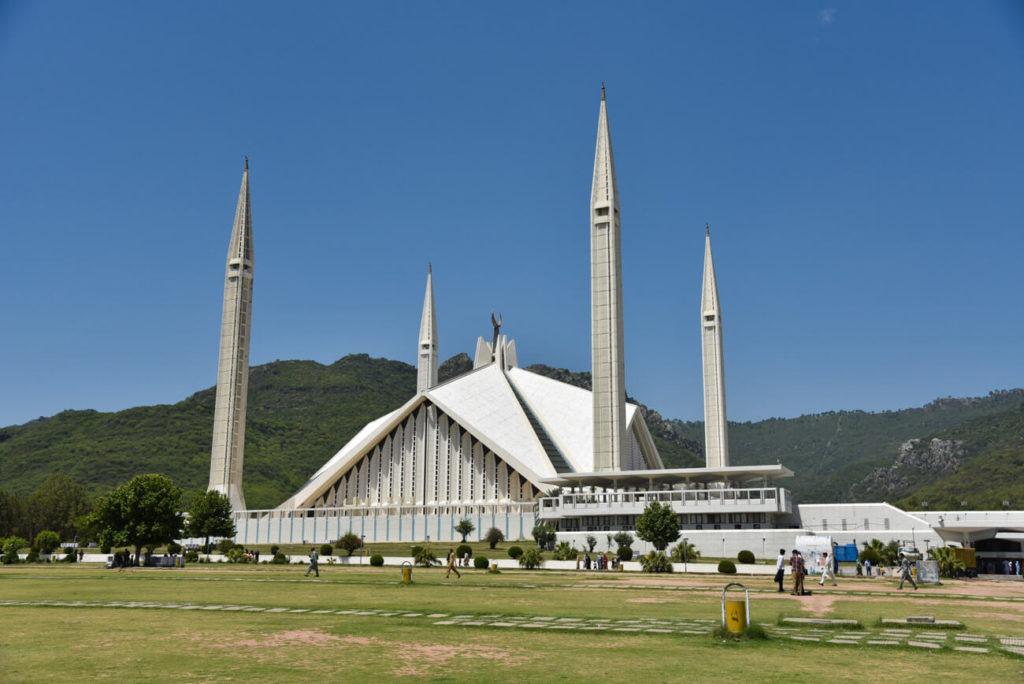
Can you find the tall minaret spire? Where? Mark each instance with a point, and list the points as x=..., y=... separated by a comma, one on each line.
x=607, y=363
x=716, y=435
x=233, y=366
x=426, y=359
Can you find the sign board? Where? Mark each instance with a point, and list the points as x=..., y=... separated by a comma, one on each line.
x=811, y=547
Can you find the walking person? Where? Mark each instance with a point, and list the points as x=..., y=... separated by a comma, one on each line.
x=905, y=572
x=780, y=569
x=796, y=563
x=825, y=566
x=452, y=563
x=314, y=565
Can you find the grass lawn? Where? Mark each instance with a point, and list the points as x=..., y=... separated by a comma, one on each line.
x=131, y=643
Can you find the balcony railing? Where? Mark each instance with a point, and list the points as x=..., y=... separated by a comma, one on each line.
x=774, y=499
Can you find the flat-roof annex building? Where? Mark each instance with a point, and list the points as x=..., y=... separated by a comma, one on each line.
x=506, y=447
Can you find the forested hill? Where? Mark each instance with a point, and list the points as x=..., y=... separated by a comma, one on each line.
x=302, y=412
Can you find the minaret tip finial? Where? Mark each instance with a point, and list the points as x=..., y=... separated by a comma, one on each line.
x=246, y=162
x=603, y=95
x=430, y=268
x=707, y=229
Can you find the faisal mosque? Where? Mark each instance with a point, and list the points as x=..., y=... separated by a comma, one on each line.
x=508, y=448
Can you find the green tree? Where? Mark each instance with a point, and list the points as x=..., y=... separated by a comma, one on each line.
x=684, y=551
x=9, y=547
x=349, y=542
x=12, y=513
x=531, y=559
x=544, y=534
x=56, y=504
x=142, y=511
x=47, y=541
x=623, y=539
x=465, y=528
x=209, y=515
x=494, y=537
x=658, y=525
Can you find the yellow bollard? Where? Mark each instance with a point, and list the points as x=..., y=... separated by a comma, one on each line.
x=735, y=616
x=735, y=612
x=406, y=572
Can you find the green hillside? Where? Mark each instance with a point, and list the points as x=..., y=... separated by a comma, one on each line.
x=302, y=412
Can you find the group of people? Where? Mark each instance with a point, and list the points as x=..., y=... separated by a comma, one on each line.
x=798, y=570
x=600, y=561
x=826, y=571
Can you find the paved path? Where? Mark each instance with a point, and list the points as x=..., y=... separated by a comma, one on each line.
x=923, y=639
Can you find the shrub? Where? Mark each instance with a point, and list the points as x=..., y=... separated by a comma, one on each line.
x=236, y=555
x=10, y=547
x=279, y=559
x=514, y=552
x=655, y=561
x=563, y=551
x=544, y=535
x=531, y=559
x=173, y=548
x=625, y=553
x=327, y=550
x=462, y=549
x=415, y=551
x=425, y=557
x=494, y=537
x=225, y=545
x=274, y=548
x=47, y=541
x=691, y=554
x=726, y=567
x=481, y=563
x=746, y=557
x=70, y=554
x=104, y=548
x=191, y=556
x=377, y=560
x=33, y=555
x=349, y=542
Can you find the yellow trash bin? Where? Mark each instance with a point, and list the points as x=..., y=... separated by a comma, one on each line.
x=735, y=611
x=406, y=572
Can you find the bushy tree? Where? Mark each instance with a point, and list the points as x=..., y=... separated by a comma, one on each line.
x=544, y=534
x=531, y=559
x=494, y=537
x=950, y=564
x=349, y=542
x=12, y=514
x=425, y=557
x=144, y=510
x=56, y=504
x=209, y=515
x=9, y=546
x=47, y=541
x=655, y=561
x=684, y=551
x=623, y=539
x=591, y=542
x=658, y=525
x=564, y=551
x=465, y=528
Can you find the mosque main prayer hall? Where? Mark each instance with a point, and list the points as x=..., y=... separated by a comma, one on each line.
x=509, y=448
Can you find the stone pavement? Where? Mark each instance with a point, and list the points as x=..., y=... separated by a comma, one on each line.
x=879, y=637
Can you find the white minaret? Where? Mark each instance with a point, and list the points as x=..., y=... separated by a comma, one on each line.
x=233, y=366
x=426, y=359
x=607, y=363
x=716, y=430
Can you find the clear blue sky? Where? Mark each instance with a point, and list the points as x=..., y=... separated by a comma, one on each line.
x=861, y=165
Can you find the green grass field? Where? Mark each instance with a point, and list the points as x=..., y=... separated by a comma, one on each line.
x=247, y=633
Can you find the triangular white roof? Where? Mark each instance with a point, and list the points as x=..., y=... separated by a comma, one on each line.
x=484, y=403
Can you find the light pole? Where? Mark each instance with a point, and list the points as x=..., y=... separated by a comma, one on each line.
x=686, y=545
x=362, y=548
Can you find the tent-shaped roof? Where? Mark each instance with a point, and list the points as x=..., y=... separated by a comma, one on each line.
x=495, y=406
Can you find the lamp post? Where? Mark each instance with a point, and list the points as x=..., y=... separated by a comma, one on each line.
x=362, y=548
x=686, y=545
